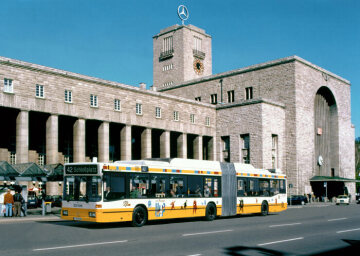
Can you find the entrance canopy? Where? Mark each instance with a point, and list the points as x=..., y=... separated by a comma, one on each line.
x=29, y=172
x=7, y=172
x=335, y=178
x=54, y=172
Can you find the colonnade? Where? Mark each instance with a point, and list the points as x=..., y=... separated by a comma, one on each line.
x=79, y=142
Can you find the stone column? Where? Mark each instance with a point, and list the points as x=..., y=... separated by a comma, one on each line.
x=103, y=142
x=182, y=146
x=79, y=140
x=198, y=147
x=52, y=139
x=125, y=143
x=22, y=137
x=212, y=149
x=146, y=143
x=165, y=144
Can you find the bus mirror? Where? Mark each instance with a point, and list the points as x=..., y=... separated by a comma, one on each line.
x=144, y=169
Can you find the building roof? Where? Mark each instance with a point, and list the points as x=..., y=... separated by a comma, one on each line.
x=7, y=170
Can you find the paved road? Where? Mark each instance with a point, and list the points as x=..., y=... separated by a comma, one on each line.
x=305, y=230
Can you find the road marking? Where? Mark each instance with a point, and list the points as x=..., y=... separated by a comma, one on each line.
x=337, y=219
x=282, y=241
x=281, y=225
x=206, y=233
x=349, y=230
x=195, y=255
x=78, y=245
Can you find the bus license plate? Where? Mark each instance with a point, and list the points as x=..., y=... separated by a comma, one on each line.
x=77, y=218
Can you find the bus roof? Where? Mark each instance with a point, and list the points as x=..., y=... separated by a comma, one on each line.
x=192, y=164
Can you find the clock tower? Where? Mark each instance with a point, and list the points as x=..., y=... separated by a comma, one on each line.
x=180, y=53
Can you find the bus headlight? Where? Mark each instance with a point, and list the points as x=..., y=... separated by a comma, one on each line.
x=65, y=213
x=92, y=214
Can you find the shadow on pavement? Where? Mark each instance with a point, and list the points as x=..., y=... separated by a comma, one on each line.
x=351, y=249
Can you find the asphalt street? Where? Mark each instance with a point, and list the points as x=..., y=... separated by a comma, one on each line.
x=308, y=230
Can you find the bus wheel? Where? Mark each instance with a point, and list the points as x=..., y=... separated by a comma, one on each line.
x=139, y=217
x=264, y=208
x=210, y=212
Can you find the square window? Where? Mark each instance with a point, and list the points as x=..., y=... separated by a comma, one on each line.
x=68, y=96
x=117, y=104
x=176, y=115
x=138, y=109
x=39, y=92
x=158, y=112
x=248, y=93
x=207, y=121
x=213, y=98
x=231, y=96
x=198, y=99
x=192, y=118
x=93, y=100
x=8, y=85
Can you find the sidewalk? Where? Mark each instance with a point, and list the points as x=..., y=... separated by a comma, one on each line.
x=316, y=204
x=34, y=215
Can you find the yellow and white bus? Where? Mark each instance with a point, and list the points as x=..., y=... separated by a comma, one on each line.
x=154, y=189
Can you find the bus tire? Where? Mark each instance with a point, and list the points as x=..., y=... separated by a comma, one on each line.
x=264, y=208
x=210, y=212
x=139, y=217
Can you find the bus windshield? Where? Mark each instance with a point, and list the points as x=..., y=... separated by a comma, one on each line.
x=82, y=188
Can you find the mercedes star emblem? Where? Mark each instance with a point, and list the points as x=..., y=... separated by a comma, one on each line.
x=183, y=13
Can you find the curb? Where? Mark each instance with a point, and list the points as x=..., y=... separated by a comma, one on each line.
x=29, y=219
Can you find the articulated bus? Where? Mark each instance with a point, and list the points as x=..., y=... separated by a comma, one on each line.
x=153, y=189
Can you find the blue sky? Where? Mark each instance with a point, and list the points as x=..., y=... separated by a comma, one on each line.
x=112, y=39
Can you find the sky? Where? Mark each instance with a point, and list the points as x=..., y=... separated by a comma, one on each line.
x=112, y=39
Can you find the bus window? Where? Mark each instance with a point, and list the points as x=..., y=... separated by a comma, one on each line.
x=252, y=188
x=208, y=187
x=264, y=187
x=177, y=187
x=282, y=187
x=216, y=189
x=158, y=186
x=241, y=187
x=114, y=186
x=139, y=185
x=79, y=188
x=274, y=187
x=195, y=186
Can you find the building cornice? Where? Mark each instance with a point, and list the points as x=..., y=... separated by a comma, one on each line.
x=178, y=27
x=89, y=79
x=249, y=102
x=255, y=68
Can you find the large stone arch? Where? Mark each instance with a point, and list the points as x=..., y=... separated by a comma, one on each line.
x=326, y=129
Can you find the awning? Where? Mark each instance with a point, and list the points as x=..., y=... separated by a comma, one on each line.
x=7, y=172
x=55, y=172
x=329, y=178
x=29, y=172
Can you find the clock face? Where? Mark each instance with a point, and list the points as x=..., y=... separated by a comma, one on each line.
x=198, y=66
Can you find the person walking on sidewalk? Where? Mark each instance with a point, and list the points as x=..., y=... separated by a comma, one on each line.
x=8, y=202
x=17, y=202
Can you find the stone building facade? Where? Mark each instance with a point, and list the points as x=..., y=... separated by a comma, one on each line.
x=287, y=114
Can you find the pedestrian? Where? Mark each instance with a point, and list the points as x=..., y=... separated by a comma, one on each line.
x=8, y=202
x=18, y=199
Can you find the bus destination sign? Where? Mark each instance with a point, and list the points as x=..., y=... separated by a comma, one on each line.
x=81, y=169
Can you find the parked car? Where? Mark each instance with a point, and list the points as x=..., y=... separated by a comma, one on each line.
x=32, y=202
x=297, y=199
x=343, y=199
x=56, y=201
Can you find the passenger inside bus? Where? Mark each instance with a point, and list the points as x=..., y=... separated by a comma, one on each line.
x=135, y=193
x=207, y=192
x=179, y=191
